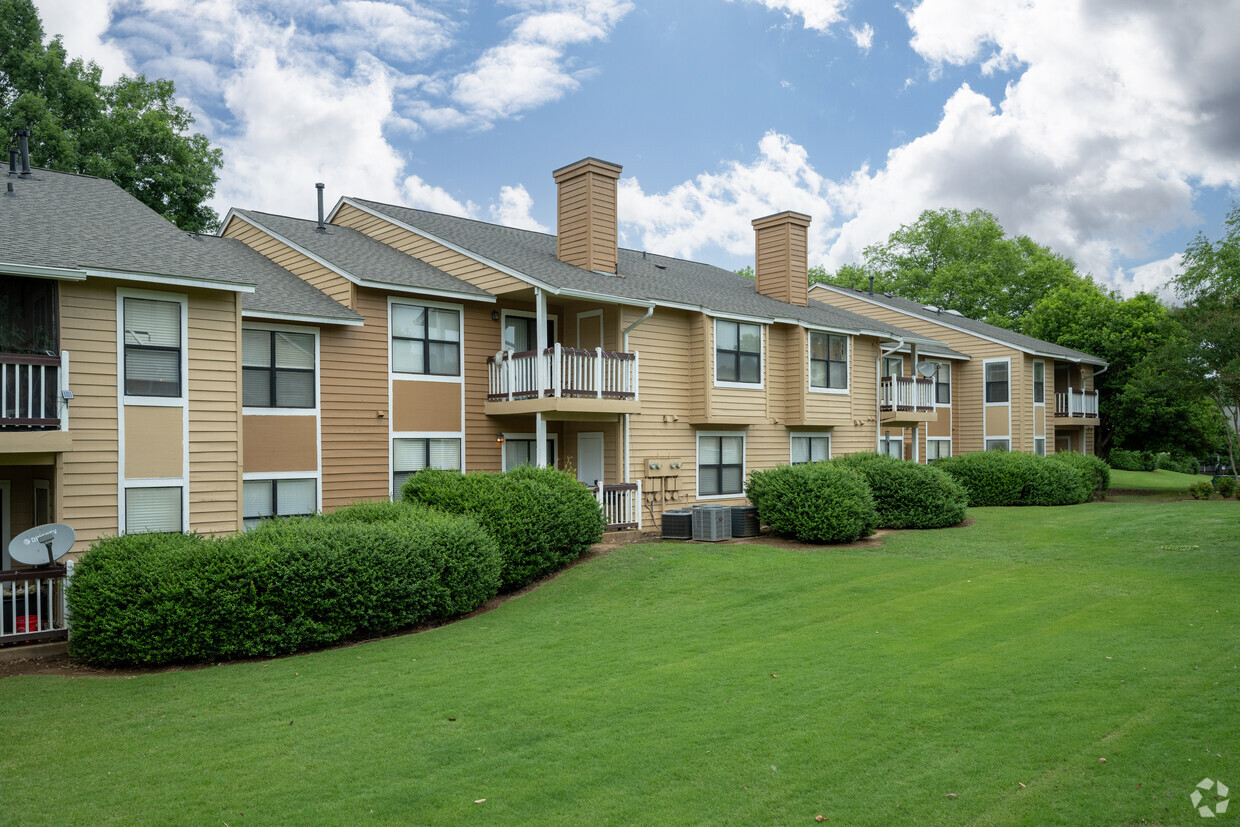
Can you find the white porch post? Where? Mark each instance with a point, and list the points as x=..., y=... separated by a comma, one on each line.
x=540, y=338
x=540, y=440
x=916, y=403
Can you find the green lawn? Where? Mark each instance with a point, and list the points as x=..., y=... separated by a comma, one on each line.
x=1160, y=480
x=972, y=675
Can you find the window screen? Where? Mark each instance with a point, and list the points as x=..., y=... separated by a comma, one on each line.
x=721, y=465
x=411, y=455
x=278, y=369
x=152, y=509
x=152, y=340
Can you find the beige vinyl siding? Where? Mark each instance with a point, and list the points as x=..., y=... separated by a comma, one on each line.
x=88, y=473
x=860, y=431
x=299, y=264
x=433, y=253
x=214, y=411
x=481, y=339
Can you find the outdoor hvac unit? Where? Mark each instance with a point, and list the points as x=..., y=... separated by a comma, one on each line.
x=712, y=523
x=677, y=525
x=745, y=521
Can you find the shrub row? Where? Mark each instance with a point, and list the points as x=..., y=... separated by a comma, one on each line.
x=1095, y=473
x=541, y=518
x=282, y=587
x=1178, y=462
x=909, y=495
x=817, y=502
x=1002, y=478
x=1125, y=460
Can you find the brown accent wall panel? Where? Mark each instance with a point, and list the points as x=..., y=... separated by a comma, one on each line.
x=281, y=443
x=997, y=420
x=153, y=442
x=426, y=406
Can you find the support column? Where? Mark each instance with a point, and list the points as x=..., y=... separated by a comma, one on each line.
x=540, y=338
x=540, y=440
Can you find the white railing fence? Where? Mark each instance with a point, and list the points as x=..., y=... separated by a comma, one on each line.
x=562, y=371
x=906, y=393
x=1076, y=403
x=621, y=504
x=30, y=390
x=33, y=604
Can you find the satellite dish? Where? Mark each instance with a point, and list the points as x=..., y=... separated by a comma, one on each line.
x=42, y=545
x=927, y=369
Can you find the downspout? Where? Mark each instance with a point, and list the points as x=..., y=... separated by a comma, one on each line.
x=878, y=409
x=624, y=345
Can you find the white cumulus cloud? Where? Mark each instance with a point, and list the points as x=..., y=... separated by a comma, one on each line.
x=820, y=15
x=513, y=209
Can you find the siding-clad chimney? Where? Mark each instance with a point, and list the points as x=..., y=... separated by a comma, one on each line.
x=782, y=257
x=586, y=232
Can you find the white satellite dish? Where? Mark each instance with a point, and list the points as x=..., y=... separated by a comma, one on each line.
x=927, y=369
x=42, y=545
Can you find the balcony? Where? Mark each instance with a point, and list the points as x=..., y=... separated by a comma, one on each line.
x=1077, y=404
x=33, y=416
x=906, y=400
x=621, y=505
x=562, y=379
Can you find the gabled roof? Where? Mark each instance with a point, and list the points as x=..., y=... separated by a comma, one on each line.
x=71, y=226
x=359, y=258
x=644, y=279
x=964, y=324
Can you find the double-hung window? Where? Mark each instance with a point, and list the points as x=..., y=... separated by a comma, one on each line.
x=999, y=444
x=152, y=340
x=828, y=361
x=426, y=340
x=411, y=455
x=278, y=498
x=810, y=448
x=521, y=450
x=277, y=369
x=1039, y=383
x=721, y=465
x=937, y=449
x=996, y=382
x=943, y=384
x=738, y=352
x=153, y=508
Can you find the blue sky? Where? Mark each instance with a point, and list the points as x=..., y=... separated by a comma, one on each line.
x=1107, y=130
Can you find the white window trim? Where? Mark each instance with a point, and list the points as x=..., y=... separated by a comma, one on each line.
x=155, y=483
x=409, y=301
x=503, y=455
x=395, y=435
x=1006, y=439
x=847, y=362
x=276, y=476
x=939, y=364
x=1033, y=380
x=1007, y=361
x=181, y=401
x=899, y=439
x=882, y=365
x=554, y=318
x=288, y=328
x=714, y=355
x=811, y=435
x=1036, y=440
x=697, y=459
x=946, y=439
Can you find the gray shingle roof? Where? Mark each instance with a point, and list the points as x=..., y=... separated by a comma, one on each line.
x=990, y=331
x=644, y=278
x=277, y=291
x=361, y=256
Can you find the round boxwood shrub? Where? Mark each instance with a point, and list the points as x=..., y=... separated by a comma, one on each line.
x=1012, y=478
x=1225, y=486
x=909, y=495
x=1051, y=483
x=1201, y=490
x=1095, y=473
x=282, y=587
x=815, y=503
x=541, y=518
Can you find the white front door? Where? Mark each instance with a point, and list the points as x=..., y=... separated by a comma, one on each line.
x=590, y=457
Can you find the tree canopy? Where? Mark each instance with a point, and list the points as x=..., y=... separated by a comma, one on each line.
x=132, y=131
x=1211, y=267
x=962, y=261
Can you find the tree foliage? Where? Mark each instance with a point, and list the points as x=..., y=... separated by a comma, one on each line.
x=132, y=131
x=1211, y=268
x=963, y=261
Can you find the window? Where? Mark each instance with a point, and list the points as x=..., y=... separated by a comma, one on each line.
x=893, y=366
x=426, y=340
x=721, y=465
x=1039, y=383
x=278, y=498
x=153, y=509
x=996, y=382
x=943, y=384
x=1001, y=444
x=277, y=369
x=810, y=448
x=738, y=352
x=892, y=446
x=152, y=337
x=42, y=502
x=522, y=450
x=1039, y=445
x=409, y=456
x=521, y=332
x=937, y=449
x=828, y=361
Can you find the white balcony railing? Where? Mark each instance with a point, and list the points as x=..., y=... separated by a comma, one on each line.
x=1076, y=403
x=32, y=604
x=905, y=393
x=561, y=371
x=30, y=391
x=621, y=504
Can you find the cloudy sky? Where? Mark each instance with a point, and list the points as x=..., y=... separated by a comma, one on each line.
x=1107, y=130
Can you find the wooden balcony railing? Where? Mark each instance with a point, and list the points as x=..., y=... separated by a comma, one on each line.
x=561, y=371
x=32, y=604
x=621, y=504
x=1076, y=403
x=905, y=393
x=30, y=391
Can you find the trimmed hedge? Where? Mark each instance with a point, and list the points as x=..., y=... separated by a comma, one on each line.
x=1178, y=462
x=1095, y=473
x=909, y=495
x=1225, y=486
x=1124, y=460
x=541, y=518
x=815, y=503
x=1201, y=490
x=282, y=587
x=1002, y=478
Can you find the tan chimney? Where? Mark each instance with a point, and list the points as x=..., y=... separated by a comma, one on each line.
x=586, y=232
x=782, y=257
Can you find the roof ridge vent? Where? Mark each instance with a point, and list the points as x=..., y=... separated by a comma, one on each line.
x=954, y=313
